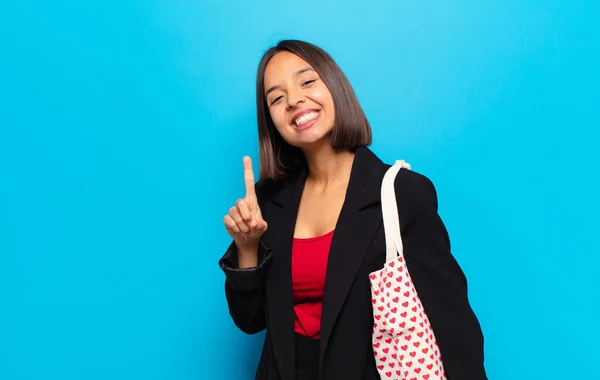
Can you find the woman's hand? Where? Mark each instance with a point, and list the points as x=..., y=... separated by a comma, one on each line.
x=244, y=223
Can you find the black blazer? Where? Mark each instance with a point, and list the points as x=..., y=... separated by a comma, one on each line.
x=261, y=297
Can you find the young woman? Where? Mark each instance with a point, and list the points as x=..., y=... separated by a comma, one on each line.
x=309, y=233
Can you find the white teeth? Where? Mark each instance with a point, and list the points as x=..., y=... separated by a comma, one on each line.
x=304, y=118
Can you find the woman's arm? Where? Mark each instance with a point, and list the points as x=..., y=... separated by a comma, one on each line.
x=244, y=289
x=438, y=278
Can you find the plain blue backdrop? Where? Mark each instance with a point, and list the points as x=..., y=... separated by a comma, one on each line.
x=122, y=128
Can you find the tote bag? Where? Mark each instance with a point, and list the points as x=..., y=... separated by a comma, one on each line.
x=404, y=344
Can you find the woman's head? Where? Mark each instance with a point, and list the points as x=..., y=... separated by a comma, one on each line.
x=304, y=99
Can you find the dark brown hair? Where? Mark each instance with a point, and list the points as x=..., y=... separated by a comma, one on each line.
x=280, y=160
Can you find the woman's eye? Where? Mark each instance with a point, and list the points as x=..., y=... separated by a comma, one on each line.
x=308, y=82
x=276, y=99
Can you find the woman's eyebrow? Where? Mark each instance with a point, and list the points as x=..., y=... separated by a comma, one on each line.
x=301, y=71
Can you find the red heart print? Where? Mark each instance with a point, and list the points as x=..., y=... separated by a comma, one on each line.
x=406, y=294
x=380, y=308
x=418, y=370
x=426, y=377
x=417, y=344
x=388, y=374
x=388, y=341
x=405, y=347
x=425, y=350
x=386, y=350
x=383, y=358
x=391, y=264
x=413, y=354
x=395, y=299
x=393, y=320
x=380, y=367
x=422, y=360
x=408, y=364
x=376, y=345
x=429, y=366
x=403, y=314
x=408, y=337
x=413, y=319
x=420, y=334
x=404, y=304
x=403, y=324
x=378, y=317
x=394, y=310
x=397, y=289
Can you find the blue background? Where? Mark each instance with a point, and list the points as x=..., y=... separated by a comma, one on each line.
x=123, y=124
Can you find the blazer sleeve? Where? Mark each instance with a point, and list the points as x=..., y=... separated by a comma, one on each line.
x=244, y=289
x=438, y=278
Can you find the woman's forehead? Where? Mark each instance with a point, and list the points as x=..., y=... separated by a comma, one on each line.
x=284, y=65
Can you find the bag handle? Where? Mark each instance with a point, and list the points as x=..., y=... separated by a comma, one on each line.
x=389, y=209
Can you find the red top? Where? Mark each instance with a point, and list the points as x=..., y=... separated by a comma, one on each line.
x=309, y=265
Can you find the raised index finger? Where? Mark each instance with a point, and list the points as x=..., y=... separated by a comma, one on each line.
x=249, y=177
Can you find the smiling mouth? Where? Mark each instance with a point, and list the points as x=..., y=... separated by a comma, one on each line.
x=299, y=122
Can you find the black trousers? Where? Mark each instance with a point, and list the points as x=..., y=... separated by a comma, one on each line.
x=307, y=358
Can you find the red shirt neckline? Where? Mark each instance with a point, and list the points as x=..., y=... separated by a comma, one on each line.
x=315, y=237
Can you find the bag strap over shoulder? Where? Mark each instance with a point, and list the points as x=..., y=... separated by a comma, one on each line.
x=389, y=208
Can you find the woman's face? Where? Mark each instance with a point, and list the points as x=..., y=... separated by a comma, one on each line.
x=300, y=104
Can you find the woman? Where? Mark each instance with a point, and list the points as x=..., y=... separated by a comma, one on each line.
x=309, y=233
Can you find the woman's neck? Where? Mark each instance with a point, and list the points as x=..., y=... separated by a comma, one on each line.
x=328, y=167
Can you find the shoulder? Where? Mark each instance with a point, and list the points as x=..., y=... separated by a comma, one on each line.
x=265, y=188
x=415, y=191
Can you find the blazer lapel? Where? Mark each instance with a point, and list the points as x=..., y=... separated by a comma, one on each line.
x=280, y=313
x=357, y=224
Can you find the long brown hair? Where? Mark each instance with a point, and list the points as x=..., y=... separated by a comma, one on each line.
x=280, y=160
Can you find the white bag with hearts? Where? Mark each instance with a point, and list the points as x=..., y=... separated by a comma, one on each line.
x=403, y=341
